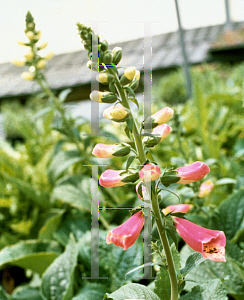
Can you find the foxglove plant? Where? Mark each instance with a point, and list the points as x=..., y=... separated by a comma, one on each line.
x=208, y=242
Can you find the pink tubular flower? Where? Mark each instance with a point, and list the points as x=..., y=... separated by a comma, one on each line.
x=163, y=115
x=205, y=188
x=111, y=178
x=193, y=172
x=127, y=233
x=184, y=208
x=108, y=151
x=211, y=243
x=149, y=173
x=162, y=130
x=143, y=189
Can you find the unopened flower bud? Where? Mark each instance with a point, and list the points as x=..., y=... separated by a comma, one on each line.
x=117, y=55
x=43, y=46
x=29, y=56
x=108, y=151
x=193, y=172
x=205, y=189
x=38, y=35
x=108, y=57
x=116, y=113
x=160, y=132
x=30, y=35
x=18, y=63
x=32, y=69
x=162, y=116
x=103, y=97
x=135, y=83
x=31, y=25
x=21, y=43
x=150, y=173
x=49, y=56
x=104, y=45
x=41, y=64
x=105, y=78
x=128, y=76
x=28, y=76
x=111, y=178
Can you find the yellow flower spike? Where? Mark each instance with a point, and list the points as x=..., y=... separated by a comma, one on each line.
x=43, y=46
x=49, y=56
x=18, y=63
x=28, y=76
x=29, y=55
x=30, y=35
x=41, y=64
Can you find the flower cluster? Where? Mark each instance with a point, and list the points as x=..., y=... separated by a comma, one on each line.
x=33, y=60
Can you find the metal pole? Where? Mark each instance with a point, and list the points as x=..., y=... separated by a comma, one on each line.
x=227, y=11
x=186, y=63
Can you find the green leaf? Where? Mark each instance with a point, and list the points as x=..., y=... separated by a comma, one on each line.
x=110, y=256
x=130, y=124
x=167, y=180
x=3, y=294
x=62, y=161
x=75, y=190
x=112, y=87
x=127, y=132
x=52, y=223
x=63, y=95
x=192, y=261
x=225, y=181
x=91, y=291
x=26, y=293
x=132, y=291
x=134, y=100
x=129, y=161
x=211, y=290
x=130, y=91
x=31, y=254
x=162, y=282
x=57, y=282
x=230, y=215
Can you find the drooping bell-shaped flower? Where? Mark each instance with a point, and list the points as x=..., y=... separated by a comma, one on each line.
x=103, y=97
x=108, y=151
x=127, y=233
x=160, y=132
x=192, y=173
x=205, y=188
x=111, y=178
x=149, y=173
x=116, y=113
x=211, y=243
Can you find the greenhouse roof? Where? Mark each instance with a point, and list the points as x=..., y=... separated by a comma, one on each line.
x=70, y=69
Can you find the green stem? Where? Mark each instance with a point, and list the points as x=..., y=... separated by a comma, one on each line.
x=155, y=205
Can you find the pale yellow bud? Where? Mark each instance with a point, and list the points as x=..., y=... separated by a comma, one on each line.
x=38, y=35
x=43, y=46
x=49, y=56
x=30, y=35
x=30, y=25
x=130, y=72
x=41, y=64
x=21, y=43
x=137, y=76
x=18, y=63
x=29, y=56
x=32, y=69
x=27, y=76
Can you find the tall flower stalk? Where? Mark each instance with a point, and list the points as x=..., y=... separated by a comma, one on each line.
x=119, y=90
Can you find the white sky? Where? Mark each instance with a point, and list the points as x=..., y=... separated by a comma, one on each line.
x=118, y=20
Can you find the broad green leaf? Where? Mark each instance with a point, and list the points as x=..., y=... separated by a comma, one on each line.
x=211, y=290
x=52, y=223
x=62, y=161
x=57, y=281
x=130, y=124
x=129, y=161
x=162, y=282
x=114, y=262
x=230, y=272
x=130, y=91
x=225, y=181
x=31, y=254
x=75, y=190
x=91, y=291
x=74, y=222
x=26, y=293
x=230, y=215
x=132, y=291
x=192, y=261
